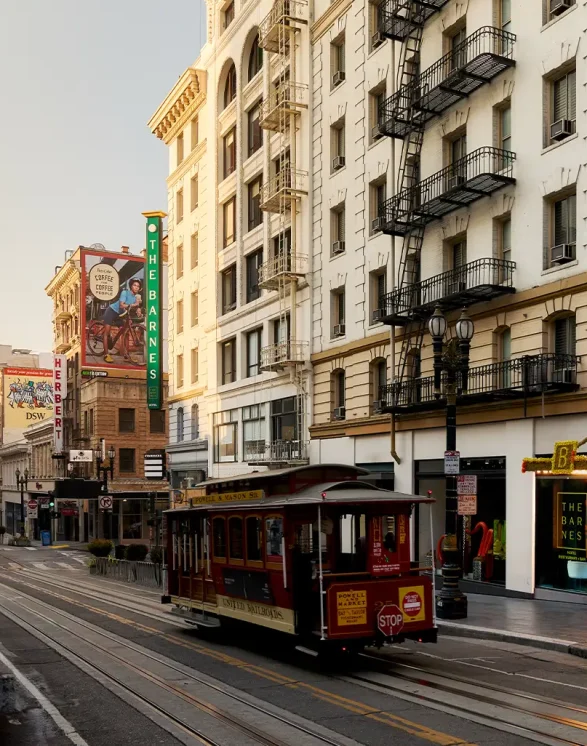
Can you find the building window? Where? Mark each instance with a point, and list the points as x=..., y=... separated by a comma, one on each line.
x=228, y=279
x=194, y=196
x=562, y=232
x=337, y=228
x=132, y=519
x=179, y=370
x=229, y=152
x=337, y=145
x=195, y=365
x=378, y=288
x=126, y=460
x=377, y=197
x=194, y=251
x=504, y=345
x=180, y=153
x=458, y=52
x=554, y=8
x=254, y=341
x=179, y=206
x=376, y=99
x=505, y=14
x=563, y=107
x=254, y=131
x=456, y=150
x=254, y=261
x=194, y=308
x=219, y=538
x=457, y=256
x=180, y=425
x=91, y=421
x=504, y=239
x=378, y=379
x=338, y=395
x=281, y=330
x=227, y=16
x=179, y=314
x=255, y=59
x=337, y=57
x=195, y=132
x=254, y=193
x=338, y=312
x=253, y=431
x=228, y=356
x=230, y=86
x=157, y=421
x=235, y=539
x=375, y=19
x=505, y=128
x=284, y=420
x=225, y=435
x=195, y=422
x=282, y=244
x=126, y=420
x=179, y=261
x=229, y=222
x=565, y=336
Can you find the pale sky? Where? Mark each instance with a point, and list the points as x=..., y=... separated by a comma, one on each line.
x=78, y=165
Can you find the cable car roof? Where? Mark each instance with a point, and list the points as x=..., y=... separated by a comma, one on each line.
x=348, y=492
x=271, y=474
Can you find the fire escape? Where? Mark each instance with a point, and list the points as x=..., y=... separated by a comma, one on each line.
x=419, y=97
x=284, y=267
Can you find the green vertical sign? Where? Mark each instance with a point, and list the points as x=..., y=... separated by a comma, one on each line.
x=154, y=312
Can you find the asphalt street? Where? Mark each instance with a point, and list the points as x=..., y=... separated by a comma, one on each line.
x=53, y=617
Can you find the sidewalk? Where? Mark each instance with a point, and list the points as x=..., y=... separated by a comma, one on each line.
x=80, y=546
x=551, y=625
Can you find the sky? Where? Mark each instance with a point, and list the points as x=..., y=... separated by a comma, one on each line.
x=78, y=165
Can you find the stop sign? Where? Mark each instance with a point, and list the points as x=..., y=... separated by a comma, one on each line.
x=390, y=620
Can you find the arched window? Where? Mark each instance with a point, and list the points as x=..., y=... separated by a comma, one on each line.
x=377, y=379
x=338, y=395
x=195, y=424
x=180, y=424
x=255, y=59
x=564, y=336
x=230, y=86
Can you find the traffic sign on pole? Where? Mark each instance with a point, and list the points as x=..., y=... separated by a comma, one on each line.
x=106, y=502
x=390, y=620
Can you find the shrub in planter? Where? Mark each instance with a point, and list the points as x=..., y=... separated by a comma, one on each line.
x=100, y=547
x=2, y=532
x=120, y=551
x=157, y=555
x=137, y=552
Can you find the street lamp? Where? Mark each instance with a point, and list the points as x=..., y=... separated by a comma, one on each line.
x=451, y=359
x=102, y=470
x=22, y=482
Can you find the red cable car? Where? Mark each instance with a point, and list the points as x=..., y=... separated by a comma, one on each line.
x=312, y=551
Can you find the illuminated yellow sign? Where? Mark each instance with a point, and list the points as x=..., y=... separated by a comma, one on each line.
x=351, y=608
x=216, y=498
x=565, y=459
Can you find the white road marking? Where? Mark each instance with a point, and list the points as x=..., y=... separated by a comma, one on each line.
x=63, y=724
x=80, y=559
x=40, y=565
x=65, y=565
x=14, y=566
x=30, y=549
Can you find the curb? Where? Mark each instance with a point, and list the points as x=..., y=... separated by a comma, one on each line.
x=453, y=629
x=7, y=693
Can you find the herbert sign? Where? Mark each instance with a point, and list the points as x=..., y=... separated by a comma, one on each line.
x=59, y=394
x=390, y=620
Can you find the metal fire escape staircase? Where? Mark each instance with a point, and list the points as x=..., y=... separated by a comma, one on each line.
x=284, y=267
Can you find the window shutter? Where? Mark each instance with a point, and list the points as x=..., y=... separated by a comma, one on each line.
x=572, y=218
x=572, y=335
x=572, y=95
x=560, y=99
x=561, y=338
x=340, y=217
x=560, y=221
x=460, y=254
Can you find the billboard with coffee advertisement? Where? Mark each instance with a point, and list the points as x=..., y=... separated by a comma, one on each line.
x=113, y=310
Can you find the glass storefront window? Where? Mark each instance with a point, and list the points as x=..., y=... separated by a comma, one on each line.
x=132, y=519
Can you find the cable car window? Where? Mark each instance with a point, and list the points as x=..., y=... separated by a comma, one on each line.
x=219, y=538
x=235, y=538
x=273, y=538
x=353, y=543
x=254, y=529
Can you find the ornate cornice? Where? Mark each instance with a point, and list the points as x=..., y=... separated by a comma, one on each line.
x=69, y=271
x=182, y=102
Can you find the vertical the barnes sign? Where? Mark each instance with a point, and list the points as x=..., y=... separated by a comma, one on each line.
x=154, y=310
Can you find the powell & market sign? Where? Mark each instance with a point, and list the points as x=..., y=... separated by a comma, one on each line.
x=565, y=459
x=154, y=310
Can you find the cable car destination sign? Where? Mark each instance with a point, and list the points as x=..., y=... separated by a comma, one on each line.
x=194, y=497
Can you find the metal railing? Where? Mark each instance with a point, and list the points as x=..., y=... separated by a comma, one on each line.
x=282, y=264
x=473, y=280
x=529, y=375
x=280, y=451
x=147, y=574
x=283, y=353
x=398, y=17
x=287, y=182
x=467, y=172
x=286, y=98
x=281, y=11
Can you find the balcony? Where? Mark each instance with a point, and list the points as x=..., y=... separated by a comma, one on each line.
x=477, y=60
x=477, y=175
x=280, y=191
x=61, y=316
x=276, y=111
x=280, y=355
x=520, y=378
x=62, y=347
x=279, y=22
x=276, y=453
x=474, y=282
x=281, y=267
x=398, y=18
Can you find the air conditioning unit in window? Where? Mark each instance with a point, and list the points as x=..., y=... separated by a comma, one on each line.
x=378, y=406
x=455, y=181
x=559, y=6
x=564, y=252
x=338, y=413
x=377, y=315
x=561, y=129
x=338, y=78
x=376, y=132
x=338, y=162
x=377, y=224
x=338, y=330
x=377, y=39
x=338, y=247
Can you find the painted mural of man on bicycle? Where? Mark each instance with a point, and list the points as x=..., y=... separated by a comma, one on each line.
x=114, y=324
